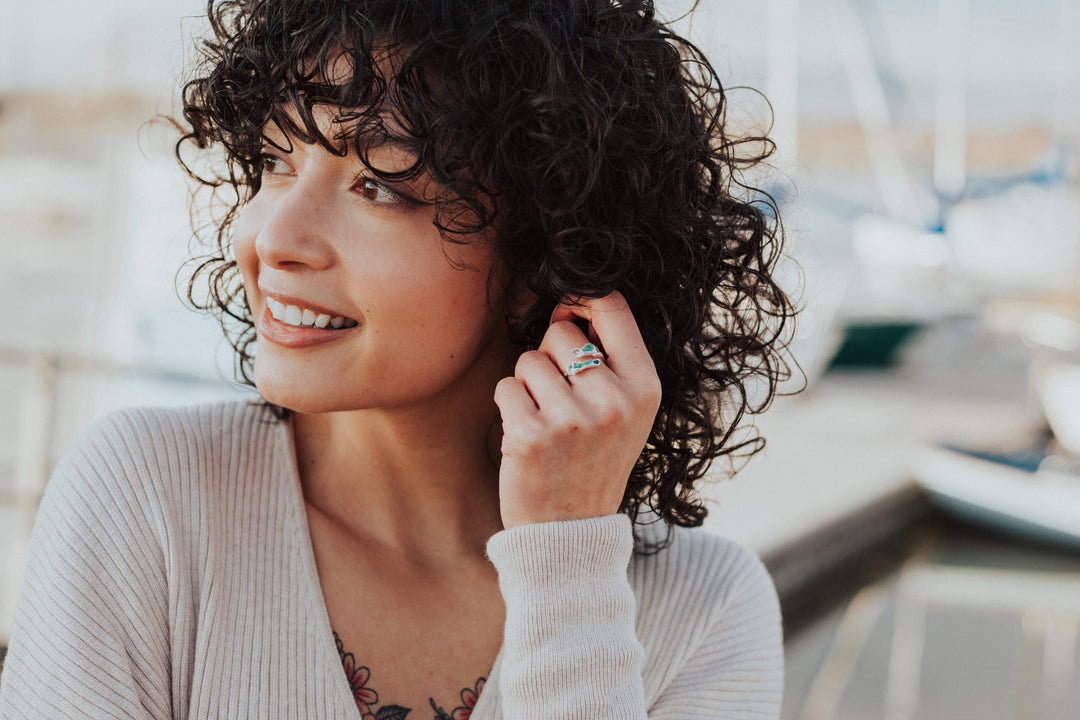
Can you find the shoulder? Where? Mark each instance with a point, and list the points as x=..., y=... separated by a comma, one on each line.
x=134, y=441
x=134, y=460
x=141, y=432
x=708, y=619
x=112, y=559
x=136, y=498
x=700, y=569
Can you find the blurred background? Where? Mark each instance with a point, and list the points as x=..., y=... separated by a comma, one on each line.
x=918, y=504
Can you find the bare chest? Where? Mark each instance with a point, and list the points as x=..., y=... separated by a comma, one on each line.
x=413, y=644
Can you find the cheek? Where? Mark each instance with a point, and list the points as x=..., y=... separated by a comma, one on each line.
x=432, y=306
x=244, y=231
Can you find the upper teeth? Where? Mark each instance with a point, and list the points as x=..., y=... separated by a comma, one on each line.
x=303, y=317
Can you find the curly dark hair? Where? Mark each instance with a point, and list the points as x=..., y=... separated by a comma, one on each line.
x=590, y=137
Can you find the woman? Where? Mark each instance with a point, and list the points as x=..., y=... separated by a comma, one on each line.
x=486, y=265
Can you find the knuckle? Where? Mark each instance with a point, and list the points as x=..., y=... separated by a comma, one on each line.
x=505, y=385
x=615, y=300
x=611, y=413
x=563, y=420
x=505, y=389
x=559, y=333
x=516, y=446
x=528, y=359
x=563, y=327
x=522, y=439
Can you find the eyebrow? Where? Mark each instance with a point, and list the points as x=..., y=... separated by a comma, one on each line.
x=378, y=143
x=373, y=142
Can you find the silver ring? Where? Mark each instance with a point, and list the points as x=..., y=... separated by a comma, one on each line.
x=587, y=356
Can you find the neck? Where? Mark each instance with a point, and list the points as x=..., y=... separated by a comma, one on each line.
x=421, y=481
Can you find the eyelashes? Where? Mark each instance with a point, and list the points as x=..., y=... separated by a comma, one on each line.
x=270, y=164
x=371, y=189
x=375, y=191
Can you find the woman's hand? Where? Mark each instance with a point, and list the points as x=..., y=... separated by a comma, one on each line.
x=570, y=443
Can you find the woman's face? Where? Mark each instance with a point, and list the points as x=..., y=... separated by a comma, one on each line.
x=358, y=301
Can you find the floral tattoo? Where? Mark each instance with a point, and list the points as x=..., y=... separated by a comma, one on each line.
x=366, y=698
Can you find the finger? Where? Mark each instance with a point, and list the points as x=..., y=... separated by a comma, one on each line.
x=514, y=400
x=560, y=342
x=616, y=330
x=542, y=378
x=560, y=338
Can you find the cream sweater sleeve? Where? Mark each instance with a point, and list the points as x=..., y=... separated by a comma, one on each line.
x=90, y=636
x=570, y=646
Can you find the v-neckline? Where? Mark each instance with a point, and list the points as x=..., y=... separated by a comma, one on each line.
x=327, y=648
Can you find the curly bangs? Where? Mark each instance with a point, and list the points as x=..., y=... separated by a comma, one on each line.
x=586, y=133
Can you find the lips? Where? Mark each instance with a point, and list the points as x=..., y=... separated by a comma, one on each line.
x=299, y=316
x=296, y=326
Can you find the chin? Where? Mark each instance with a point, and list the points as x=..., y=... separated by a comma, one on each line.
x=296, y=401
x=299, y=394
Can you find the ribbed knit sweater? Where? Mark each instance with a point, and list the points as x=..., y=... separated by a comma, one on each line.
x=171, y=575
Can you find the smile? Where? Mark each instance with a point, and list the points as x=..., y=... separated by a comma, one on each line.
x=305, y=317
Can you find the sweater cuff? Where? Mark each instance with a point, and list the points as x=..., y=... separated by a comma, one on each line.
x=569, y=646
x=555, y=552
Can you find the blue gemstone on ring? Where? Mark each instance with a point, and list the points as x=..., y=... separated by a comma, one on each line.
x=586, y=350
x=575, y=367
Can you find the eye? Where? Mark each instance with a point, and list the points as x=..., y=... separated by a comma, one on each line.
x=273, y=165
x=375, y=191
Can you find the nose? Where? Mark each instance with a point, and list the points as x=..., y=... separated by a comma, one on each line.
x=295, y=233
